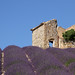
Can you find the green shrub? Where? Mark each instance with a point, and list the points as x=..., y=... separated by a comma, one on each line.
x=69, y=35
x=69, y=61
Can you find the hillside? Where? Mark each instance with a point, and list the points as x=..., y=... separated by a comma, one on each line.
x=33, y=60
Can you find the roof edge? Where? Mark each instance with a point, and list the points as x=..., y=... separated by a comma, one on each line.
x=37, y=26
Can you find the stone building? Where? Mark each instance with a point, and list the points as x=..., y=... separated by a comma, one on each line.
x=48, y=32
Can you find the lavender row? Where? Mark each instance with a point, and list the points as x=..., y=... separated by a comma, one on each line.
x=14, y=55
x=62, y=55
x=42, y=60
x=52, y=61
x=71, y=50
x=20, y=69
x=72, y=67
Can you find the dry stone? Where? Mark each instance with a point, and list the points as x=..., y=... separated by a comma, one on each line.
x=49, y=32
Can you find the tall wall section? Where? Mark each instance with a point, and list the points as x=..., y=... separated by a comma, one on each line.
x=51, y=33
x=38, y=37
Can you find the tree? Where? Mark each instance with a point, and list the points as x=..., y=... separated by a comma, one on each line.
x=69, y=35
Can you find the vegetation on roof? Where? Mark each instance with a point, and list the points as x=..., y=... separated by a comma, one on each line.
x=69, y=35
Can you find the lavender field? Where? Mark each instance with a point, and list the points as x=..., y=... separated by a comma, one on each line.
x=33, y=60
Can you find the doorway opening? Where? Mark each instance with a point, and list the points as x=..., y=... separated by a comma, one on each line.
x=50, y=43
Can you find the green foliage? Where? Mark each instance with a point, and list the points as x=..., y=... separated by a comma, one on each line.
x=69, y=35
x=68, y=62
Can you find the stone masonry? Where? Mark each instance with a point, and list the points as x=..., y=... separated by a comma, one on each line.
x=49, y=32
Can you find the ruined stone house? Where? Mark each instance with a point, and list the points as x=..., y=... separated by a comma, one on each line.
x=49, y=32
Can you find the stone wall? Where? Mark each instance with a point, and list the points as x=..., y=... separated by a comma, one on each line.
x=62, y=43
x=60, y=30
x=38, y=37
x=43, y=34
x=49, y=32
x=72, y=27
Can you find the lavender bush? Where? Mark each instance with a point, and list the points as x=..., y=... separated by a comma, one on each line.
x=63, y=55
x=33, y=60
x=19, y=69
x=72, y=67
x=14, y=55
x=42, y=60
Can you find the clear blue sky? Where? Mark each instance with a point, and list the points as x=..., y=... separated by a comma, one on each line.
x=17, y=17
